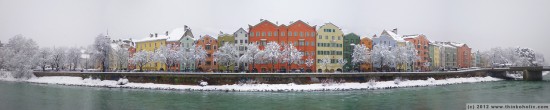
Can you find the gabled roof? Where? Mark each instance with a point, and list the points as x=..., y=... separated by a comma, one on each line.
x=261, y=23
x=395, y=36
x=300, y=21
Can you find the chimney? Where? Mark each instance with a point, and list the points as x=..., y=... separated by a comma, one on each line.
x=185, y=26
x=156, y=35
x=261, y=20
x=151, y=35
x=394, y=30
x=166, y=33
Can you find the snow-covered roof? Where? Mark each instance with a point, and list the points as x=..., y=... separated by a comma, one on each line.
x=410, y=36
x=176, y=34
x=395, y=36
x=457, y=44
x=153, y=38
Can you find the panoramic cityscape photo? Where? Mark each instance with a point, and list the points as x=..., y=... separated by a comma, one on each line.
x=274, y=54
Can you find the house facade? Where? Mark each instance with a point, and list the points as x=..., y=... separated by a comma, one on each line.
x=368, y=43
x=329, y=46
x=210, y=45
x=224, y=38
x=350, y=40
x=299, y=34
x=420, y=43
x=241, y=40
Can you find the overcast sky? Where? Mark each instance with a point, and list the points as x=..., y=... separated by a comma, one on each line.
x=481, y=24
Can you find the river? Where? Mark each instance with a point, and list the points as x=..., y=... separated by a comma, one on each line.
x=27, y=96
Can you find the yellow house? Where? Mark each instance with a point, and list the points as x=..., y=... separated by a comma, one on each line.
x=329, y=46
x=151, y=43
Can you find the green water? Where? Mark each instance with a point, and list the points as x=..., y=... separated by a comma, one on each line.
x=26, y=96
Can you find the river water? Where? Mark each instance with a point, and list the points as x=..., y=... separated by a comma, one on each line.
x=25, y=96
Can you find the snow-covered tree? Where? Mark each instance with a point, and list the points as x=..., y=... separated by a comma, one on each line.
x=101, y=51
x=228, y=55
x=360, y=55
x=199, y=54
x=342, y=61
x=186, y=56
x=382, y=55
x=272, y=53
x=73, y=57
x=168, y=55
x=141, y=58
x=19, y=55
x=250, y=55
x=44, y=57
x=122, y=56
x=411, y=55
x=325, y=61
x=59, y=58
x=509, y=56
x=290, y=54
x=309, y=61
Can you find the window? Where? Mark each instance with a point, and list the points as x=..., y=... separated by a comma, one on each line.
x=301, y=43
x=339, y=37
x=263, y=33
x=301, y=34
x=241, y=41
x=275, y=33
x=320, y=37
x=289, y=33
x=333, y=30
x=295, y=33
x=307, y=43
x=332, y=37
x=268, y=33
x=282, y=33
x=245, y=41
x=251, y=34
x=257, y=34
x=207, y=47
x=307, y=34
x=312, y=34
x=326, y=37
x=237, y=42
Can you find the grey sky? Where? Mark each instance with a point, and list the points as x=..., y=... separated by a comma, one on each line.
x=474, y=22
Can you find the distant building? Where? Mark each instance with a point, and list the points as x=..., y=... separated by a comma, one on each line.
x=420, y=43
x=187, y=42
x=1, y=45
x=435, y=56
x=329, y=45
x=241, y=41
x=350, y=40
x=368, y=43
x=448, y=55
x=210, y=45
x=156, y=40
x=116, y=45
x=222, y=39
x=299, y=34
x=463, y=54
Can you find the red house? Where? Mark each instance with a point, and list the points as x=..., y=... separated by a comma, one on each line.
x=298, y=33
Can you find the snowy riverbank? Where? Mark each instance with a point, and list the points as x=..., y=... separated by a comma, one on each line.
x=77, y=81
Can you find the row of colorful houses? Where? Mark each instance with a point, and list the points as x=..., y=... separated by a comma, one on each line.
x=324, y=42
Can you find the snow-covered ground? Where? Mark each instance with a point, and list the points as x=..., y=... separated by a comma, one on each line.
x=77, y=81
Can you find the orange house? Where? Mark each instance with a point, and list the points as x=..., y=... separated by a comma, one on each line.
x=298, y=33
x=210, y=45
x=368, y=43
x=420, y=43
x=463, y=56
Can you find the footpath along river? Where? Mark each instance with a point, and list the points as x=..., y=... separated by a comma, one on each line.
x=29, y=96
